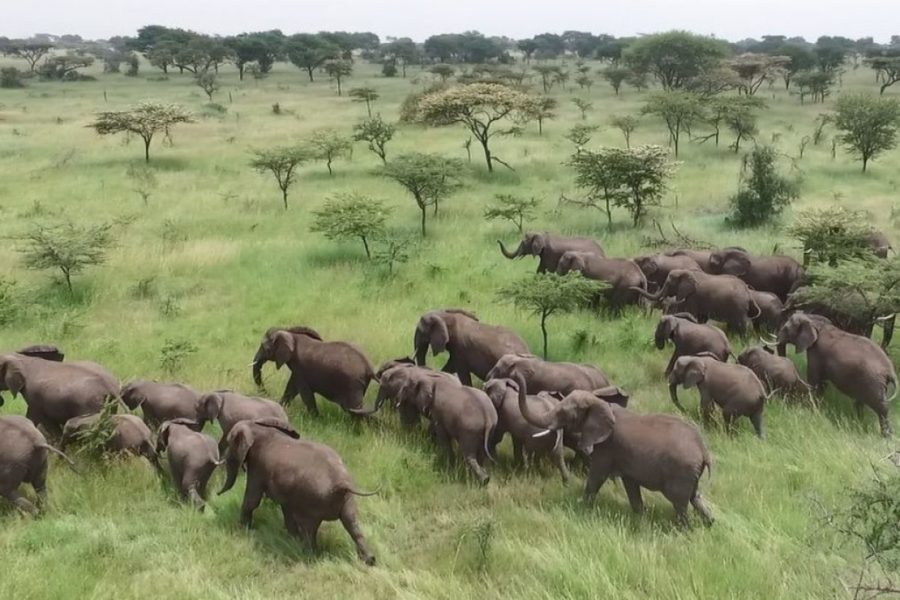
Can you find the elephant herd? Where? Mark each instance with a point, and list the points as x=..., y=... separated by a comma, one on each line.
x=544, y=407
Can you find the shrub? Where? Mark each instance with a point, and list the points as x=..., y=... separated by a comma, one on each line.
x=764, y=192
x=11, y=77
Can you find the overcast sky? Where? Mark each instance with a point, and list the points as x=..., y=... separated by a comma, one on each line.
x=730, y=19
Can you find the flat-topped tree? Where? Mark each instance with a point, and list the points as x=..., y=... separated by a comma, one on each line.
x=615, y=75
x=429, y=178
x=328, y=145
x=887, y=69
x=207, y=82
x=364, y=94
x=679, y=109
x=479, y=107
x=338, y=70
x=67, y=247
x=309, y=51
x=755, y=69
x=351, y=216
x=377, y=133
x=674, y=58
x=145, y=120
x=282, y=163
x=31, y=52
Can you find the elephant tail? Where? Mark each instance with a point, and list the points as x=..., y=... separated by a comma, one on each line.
x=892, y=381
x=752, y=305
x=62, y=454
x=364, y=494
x=707, y=464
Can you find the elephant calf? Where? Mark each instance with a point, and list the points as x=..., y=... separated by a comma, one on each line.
x=161, y=401
x=546, y=376
x=690, y=338
x=777, y=373
x=23, y=459
x=308, y=480
x=395, y=374
x=504, y=393
x=228, y=408
x=771, y=310
x=129, y=434
x=657, y=267
x=734, y=388
x=192, y=455
x=620, y=273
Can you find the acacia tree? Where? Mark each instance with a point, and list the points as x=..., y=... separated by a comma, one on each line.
x=207, y=82
x=755, y=69
x=328, y=145
x=642, y=175
x=615, y=75
x=31, y=52
x=351, y=216
x=869, y=124
x=282, y=163
x=887, y=70
x=145, y=120
x=583, y=106
x=338, y=70
x=67, y=247
x=479, y=106
x=626, y=124
x=764, y=192
x=543, y=111
x=548, y=74
x=674, y=58
x=364, y=94
x=377, y=133
x=309, y=51
x=600, y=183
x=678, y=109
x=443, y=71
x=429, y=178
x=511, y=208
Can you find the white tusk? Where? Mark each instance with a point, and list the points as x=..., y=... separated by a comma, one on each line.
x=542, y=433
x=252, y=364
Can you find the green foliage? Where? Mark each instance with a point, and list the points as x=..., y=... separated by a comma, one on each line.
x=674, y=58
x=67, y=247
x=547, y=294
x=338, y=70
x=351, y=216
x=208, y=82
x=755, y=69
x=764, y=191
x=389, y=68
x=445, y=72
x=429, y=178
x=282, y=163
x=678, y=109
x=309, y=51
x=542, y=110
x=328, y=145
x=146, y=120
x=65, y=67
x=409, y=108
x=392, y=250
x=143, y=181
x=830, y=235
x=11, y=78
x=626, y=124
x=615, y=75
x=736, y=113
x=9, y=305
x=377, y=133
x=580, y=135
x=583, y=106
x=868, y=124
x=364, y=94
x=174, y=353
x=515, y=209
x=814, y=83
x=93, y=439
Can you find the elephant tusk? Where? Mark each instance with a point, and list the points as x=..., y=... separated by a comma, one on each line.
x=542, y=433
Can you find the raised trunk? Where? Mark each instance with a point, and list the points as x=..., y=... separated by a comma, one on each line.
x=508, y=254
x=545, y=420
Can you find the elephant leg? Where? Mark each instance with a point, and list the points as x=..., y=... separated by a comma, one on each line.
x=757, y=420
x=309, y=399
x=309, y=529
x=633, y=490
x=253, y=495
x=449, y=366
x=671, y=364
x=883, y=421
x=469, y=449
x=149, y=452
x=599, y=472
x=729, y=419
x=291, y=389
x=20, y=502
x=350, y=522
x=706, y=408
x=681, y=517
x=518, y=455
x=814, y=376
x=702, y=510
x=465, y=377
x=559, y=460
x=195, y=497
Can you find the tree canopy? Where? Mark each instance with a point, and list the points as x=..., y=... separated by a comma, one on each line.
x=674, y=57
x=868, y=124
x=145, y=120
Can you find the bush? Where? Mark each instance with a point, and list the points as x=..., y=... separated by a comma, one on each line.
x=351, y=216
x=389, y=69
x=829, y=235
x=11, y=77
x=765, y=192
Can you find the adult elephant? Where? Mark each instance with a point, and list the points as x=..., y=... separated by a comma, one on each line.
x=545, y=376
x=550, y=247
x=723, y=298
x=856, y=365
x=56, y=391
x=338, y=371
x=620, y=273
x=690, y=338
x=657, y=267
x=129, y=434
x=161, y=402
x=771, y=311
x=701, y=257
x=229, y=408
x=394, y=375
x=474, y=347
x=777, y=274
x=879, y=243
x=45, y=351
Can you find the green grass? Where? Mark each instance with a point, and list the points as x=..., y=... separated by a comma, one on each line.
x=220, y=261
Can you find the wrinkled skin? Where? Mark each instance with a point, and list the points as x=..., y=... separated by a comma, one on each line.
x=130, y=434
x=690, y=338
x=656, y=452
x=701, y=257
x=56, y=391
x=228, y=408
x=734, y=388
x=504, y=394
x=723, y=298
x=776, y=274
x=621, y=273
x=23, y=459
x=544, y=376
x=395, y=374
x=474, y=347
x=550, y=248
x=854, y=364
x=777, y=373
x=308, y=480
x=657, y=267
x=841, y=319
x=160, y=401
x=338, y=371
x=458, y=413
x=771, y=311
x=192, y=458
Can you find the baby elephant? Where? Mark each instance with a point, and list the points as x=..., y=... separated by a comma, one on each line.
x=193, y=456
x=777, y=373
x=160, y=401
x=228, y=408
x=735, y=388
x=690, y=338
x=130, y=434
x=23, y=459
x=307, y=479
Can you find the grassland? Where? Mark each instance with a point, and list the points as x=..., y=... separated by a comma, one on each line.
x=214, y=260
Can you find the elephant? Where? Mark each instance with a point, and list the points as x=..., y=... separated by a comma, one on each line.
x=160, y=401
x=652, y=451
x=690, y=338
x=620, y=273
x=701, y=257
x=192, y=457
x=771, y=311
x=777, y=274
x=844, y=320
x=45, y=351
x=550, y=248
x=504, y=395
x=657, y=267
x=879, y=243
x=393, y=375
x=458, y=413
x=129, y=434
x=721, y=297
x=776, y=373
x=23, y=459
x=856, y=365
x=56, y=391
x=307, y=479
x=339, y=371
x=546, y=376
x=474, y=347
x=734, y=388
x=229, y=407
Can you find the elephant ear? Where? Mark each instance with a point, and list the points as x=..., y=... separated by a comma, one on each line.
x=419, y=394
x=282, y=347
x=687, y=285
x=613, y=395
x=807, y=335
x=686, y=316
x=189, y=423
x=438, y=334
x=162, y=438
x=13, y=376
x=211, y=405
x=599, y=422
x=278, y=425
x=538, y=243
x=694, y=373
x=664, y=331
x=240, y=440
x=737, y=263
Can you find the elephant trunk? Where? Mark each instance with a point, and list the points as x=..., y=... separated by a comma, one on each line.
x=258, y=361
x=421, y=353
x=232, y=467
x=545, y=420
x=508, y=254
x=2, y=400
x=673, y=393
x=648, y=295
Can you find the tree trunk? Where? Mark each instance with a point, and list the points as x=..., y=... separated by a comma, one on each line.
x=68, y=277
x=369, y=108
x=422, y=208
x=366, y=245
x=865, y=163
x=241, y=71
x=310, y=71
x=328, y=164
x=608, y=214
x=284, y=197
x=540, y=126
x=339, y=85
x=544, y=332
x=487, y=155
x=147, y=149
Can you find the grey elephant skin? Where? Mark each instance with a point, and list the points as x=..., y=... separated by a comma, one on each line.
x=192, y=456
x=879, y=243
x=308, y=480
x=393, y=376
x=474, y=347
x=771, y=311
x=690, y=338
x=550, y=247
x=56, y=391
x=160, y=401
x=777, y=274
x=459, y=414
x=854, y=364
x=701, y=257
x=228, y=408
x=777, y=373
x=23, y=459
x=656, y=452
x=657, y=267
x=545, y=376
x=504, y=393
x=620, y=273
x=338, y=371
x=734, y=388
x=130, y=434
x=45, y=351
